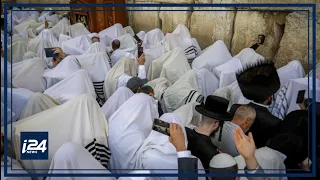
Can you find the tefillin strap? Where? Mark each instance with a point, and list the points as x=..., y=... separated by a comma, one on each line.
x=221, y=127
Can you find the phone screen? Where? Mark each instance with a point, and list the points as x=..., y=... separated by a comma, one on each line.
x=161, y=127
x=140, y=51
x=300, y=97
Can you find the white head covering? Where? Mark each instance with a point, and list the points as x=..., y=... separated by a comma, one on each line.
x=46, y=34
x=96, y=47
x=62, y=38
x=225, y=92
x=76, y=46
x=62, y=27
x=129, y=30
x=207, y=82
x=248, y=56
x=119, y=97
x=78, y=30
x=113, y=32
x=129, y=126
x=152, y=38
x=29, y=55
x=17, y=50
x=141, y=35
x=37, y=45
x=227, y=72
x=94, y=35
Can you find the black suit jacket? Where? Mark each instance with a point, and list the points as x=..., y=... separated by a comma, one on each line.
x=265, y=125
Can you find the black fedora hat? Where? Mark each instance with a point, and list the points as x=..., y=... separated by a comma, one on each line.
x=215, y=107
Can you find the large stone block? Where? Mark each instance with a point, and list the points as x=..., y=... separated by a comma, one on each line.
x=294, y=43
x=170, y=19
x=210, y=26
x=144, y=18
x=248, y=25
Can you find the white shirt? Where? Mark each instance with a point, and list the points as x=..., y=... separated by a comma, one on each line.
x=125, y=78
x=184, y=154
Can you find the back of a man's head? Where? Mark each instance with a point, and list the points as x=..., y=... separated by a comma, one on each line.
x=223, y=164
x=147, y=90
x=115, y=44
x=244, y=117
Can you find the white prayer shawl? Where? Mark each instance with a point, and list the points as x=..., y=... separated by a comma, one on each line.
x=34, y=11
x=74, y=85
x=33, y=17
x=158, y=153
x=128, y=44
x=184, y=91
x=119, y=54
x=28, y=74
x=44, y=14
x=317, y=71
x=113, y=32
x=172, y=66
x=237, y=96
x=37, y=46
x=248, y=56
x=53, y=18
x=26, y=25
x=188, y=115
x=286, y=99
x=42, y=27
x=62, y=38
x=132, y=122
x=29, y=34
x=213, y=56
x=159, y=86
x=16, y=168
x=37, y=103
x=46, y=34
x=124, y=66
x=225, y=92
x=227, y=72
x=20, y=97
x=293, y=70
x=271, y=161
x=119, y=97
x=96, y=64
x=79, y=120
x=208, y=83
x=76, y=46
x=29, y=55
x=62, y=27
x=129, y=30
x=16, y=51
x=78, y=30
x=153, y=54
x=141, y=35
x=152, y=38
x=96, y=47
x=65, y=68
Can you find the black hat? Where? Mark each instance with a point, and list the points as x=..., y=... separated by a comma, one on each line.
x=135, y=83
x=258, y=81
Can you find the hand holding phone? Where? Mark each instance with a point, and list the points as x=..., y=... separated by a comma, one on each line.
x=300, y=97
x=161, y=127
x=177, y=137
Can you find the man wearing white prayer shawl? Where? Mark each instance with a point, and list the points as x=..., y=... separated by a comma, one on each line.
x=124, y=46
x=29, y=55
x=248, y=56
x=76, y=46
x=62, y=27
x=152, y=38
x=157, y=152
x=62, y=38
x=111, y=33
x=97, y=47
x=83, y=123
x=129, y=30
x=46, y=34
x=119, y=97
x=227, y=72
x=19, y=99
x=65, y=68
x=132, y=122
x=141, y=35
x=37, y=46
x=94, y=37
x=16, y=51
x=172, y=66
x=122, y=72
x=159, y=86
x=37, y=103
x=28, y=74
x=213, y=56
x=74, y=85
x=78, y=30
x=190, y=88
x=243, y=118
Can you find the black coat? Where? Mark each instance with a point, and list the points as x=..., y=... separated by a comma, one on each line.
x=265, y=125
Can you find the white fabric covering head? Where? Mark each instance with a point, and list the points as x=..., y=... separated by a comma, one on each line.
x=96, y=64
x=184, y=91
x=132, y=122
x=95, y=48
x=119, y=97
x=37, y=46
x=76, y=46
x=188, y=115
x=128, y=44
x=124, y=66
x=158, y=153
x=113, y=32
x=20, y=97
x=152, y=38
x=159, y=86
x=141, y=35
x=62, y=27
x=207, y=82
x=172, y=66
x=129, y=30
x=37, y=103
x=270, y=160
x=79, y=120
x=65, y=68
x=46, y=34
x=16, y=51
x=62, y=38
x=93, y=35
x=227, y=72
x=213, y=56
x=78, y=30
x=226, y=93
x=248, y=56
x=53, y=18
x=25, y=25
x=74, y=85
x=29, y=55
x=28, y=74
x=152, y=54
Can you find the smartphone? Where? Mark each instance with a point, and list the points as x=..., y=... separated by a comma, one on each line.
x=300, y=97
x=49, y=52
x=140, y=51
x=161, y=127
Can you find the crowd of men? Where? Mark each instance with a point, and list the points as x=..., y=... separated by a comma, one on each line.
x=99, y=95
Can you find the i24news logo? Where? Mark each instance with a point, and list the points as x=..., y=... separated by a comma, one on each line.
x=34, y=145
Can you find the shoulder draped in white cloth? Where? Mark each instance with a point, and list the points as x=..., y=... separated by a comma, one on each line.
x=16, y=51
x=29, y=55
x=28, y=74
x=76, y=46
x=207, y=82
x=62, y=38
x=78, y=30
x=129, y=30
x=227, y=72
x=95, y=48
x=79, y=120
x=152, y=54
x=158, y=153
x=74, y=85
x=141, y=35
x=132, y=122
x=128, y=44
x=113, y=32
x=119, y=97
x=152, y=38
x=213, y=56
x=37, y=103
x=37, y=46
x=62, y=27
x=46, y=34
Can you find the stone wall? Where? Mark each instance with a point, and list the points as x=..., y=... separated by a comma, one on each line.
x=286, y=32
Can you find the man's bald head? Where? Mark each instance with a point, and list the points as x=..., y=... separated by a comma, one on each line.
x=244, y=117
x=115, y=44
